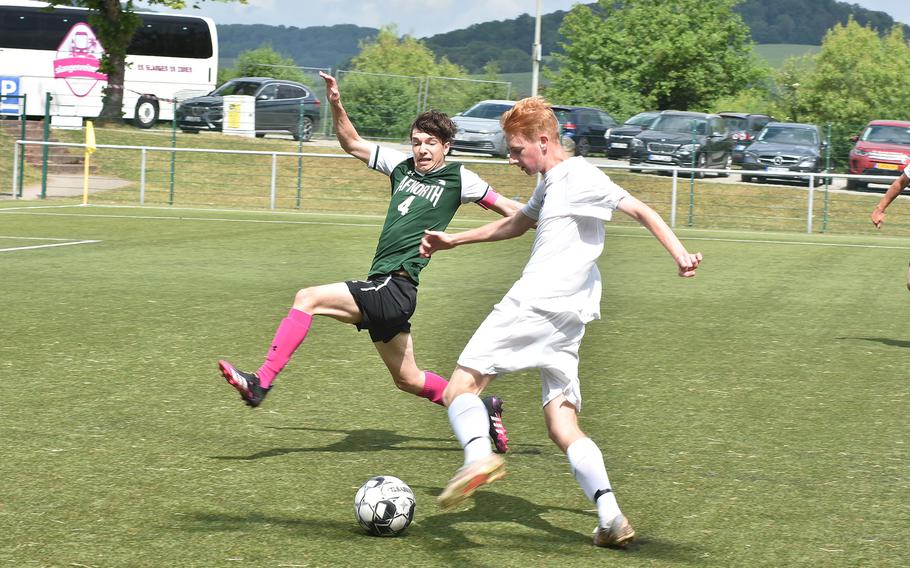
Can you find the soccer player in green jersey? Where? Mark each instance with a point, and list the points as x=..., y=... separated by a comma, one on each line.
x=425, y=194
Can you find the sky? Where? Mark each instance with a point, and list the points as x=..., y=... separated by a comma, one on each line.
x=419, y=18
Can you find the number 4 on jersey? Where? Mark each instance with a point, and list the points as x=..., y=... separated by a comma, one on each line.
x=405, y=205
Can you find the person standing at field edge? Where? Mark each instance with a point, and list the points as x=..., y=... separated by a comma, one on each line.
x=425, y=194
x=541, y=320
x=895, y=189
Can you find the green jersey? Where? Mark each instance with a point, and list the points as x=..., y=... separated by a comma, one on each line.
x=418, y=202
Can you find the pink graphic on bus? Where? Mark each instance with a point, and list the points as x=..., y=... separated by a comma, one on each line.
x=78, y=58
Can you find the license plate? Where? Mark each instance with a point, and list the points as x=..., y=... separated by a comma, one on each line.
x=660, y=158
x=192, y=118
x=773, y=169
x=886, y=166
x=618, y=145
x=739, y=147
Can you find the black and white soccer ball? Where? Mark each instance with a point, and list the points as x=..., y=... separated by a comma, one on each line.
x=384, y=506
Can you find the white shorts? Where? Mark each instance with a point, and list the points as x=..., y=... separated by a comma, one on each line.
x=513, y=338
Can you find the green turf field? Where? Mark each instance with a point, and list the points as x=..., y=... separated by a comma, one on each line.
x=753, y=416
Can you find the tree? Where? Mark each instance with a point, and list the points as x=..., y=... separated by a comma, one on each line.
x=857, y=76
x=114, y=24
x=664, y=54
x=263, y=61
x=396, y=78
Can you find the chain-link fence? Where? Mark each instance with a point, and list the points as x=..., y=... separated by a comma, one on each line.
x=246, y=174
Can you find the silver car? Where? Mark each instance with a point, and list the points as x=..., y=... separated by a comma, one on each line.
x=479, y=129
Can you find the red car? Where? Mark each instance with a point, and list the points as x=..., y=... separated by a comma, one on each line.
x=881, y=150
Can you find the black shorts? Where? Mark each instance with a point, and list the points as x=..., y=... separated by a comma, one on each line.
x=386, y=304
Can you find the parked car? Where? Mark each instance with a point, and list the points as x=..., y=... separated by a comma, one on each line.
x=744, y=127
x=479, y=129
x=684, y=139
x=619, y=137
x=583, y=128
x=881, y=150
x=278, y=105
x=785, y=147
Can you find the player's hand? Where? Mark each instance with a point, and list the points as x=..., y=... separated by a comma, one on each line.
x=433, y=241
x=878, y=217
x=687, y=263
x=331, y=87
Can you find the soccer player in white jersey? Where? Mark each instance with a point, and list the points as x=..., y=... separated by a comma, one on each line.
x=425, y=194
x=895, y=189
x=541, y=320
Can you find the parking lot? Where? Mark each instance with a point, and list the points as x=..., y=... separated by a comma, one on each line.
x=837, y=183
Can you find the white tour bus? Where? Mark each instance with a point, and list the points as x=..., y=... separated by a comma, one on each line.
x=171, y=57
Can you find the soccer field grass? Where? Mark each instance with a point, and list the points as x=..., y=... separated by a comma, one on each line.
x=755, y=415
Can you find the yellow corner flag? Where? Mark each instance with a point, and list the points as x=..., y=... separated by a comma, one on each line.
x=89, y=137
x=89, y=150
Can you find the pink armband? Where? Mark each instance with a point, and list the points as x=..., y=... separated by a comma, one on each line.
x=488, y=199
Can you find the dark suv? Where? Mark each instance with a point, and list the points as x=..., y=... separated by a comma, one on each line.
x=278, y=105
x=744, y=127
x=785, y=147
x=583, y=128
x=619, y=137
x=684, y=139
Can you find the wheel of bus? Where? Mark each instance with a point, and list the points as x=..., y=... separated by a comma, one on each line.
x=146, y=112
x=306, y=130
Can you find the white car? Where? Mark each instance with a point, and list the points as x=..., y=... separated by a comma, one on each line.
x=479, y=129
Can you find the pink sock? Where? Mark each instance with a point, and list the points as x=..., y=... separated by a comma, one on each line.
x=288, y=338
x=433, y=387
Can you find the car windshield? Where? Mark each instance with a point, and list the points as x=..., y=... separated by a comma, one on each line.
x=678, y=123
x=562, y=115
x=487, y=110
x=788, y=135
x=887, y=134
x=736, y=123
x=236, y=88
x=642, y=119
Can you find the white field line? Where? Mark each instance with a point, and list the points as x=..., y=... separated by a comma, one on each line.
x=33, y=247
x=28, y=211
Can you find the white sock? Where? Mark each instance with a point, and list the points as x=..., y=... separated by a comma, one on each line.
x=471, y=424
x=588, y=467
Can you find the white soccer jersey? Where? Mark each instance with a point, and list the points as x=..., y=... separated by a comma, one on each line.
x=570, y=206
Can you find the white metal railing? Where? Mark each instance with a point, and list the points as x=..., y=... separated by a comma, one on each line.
x=676, y=172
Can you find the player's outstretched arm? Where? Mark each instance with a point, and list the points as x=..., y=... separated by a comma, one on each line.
x=505, y=206
x=347, y=135
x=895, y=189
x=686, y=262
x=501, y=229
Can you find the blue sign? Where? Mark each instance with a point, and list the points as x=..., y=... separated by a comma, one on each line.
x=9, y=104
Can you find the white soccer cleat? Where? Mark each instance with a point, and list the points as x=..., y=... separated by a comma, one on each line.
x=617, y=534
x=469, y=478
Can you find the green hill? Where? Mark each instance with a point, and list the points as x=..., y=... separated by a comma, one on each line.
x=794, y=23
x=776, y=53
x=773, y=54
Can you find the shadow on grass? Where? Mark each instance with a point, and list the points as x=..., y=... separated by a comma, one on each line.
x=367, y=440
x=883, y=340
x=489, y=506
x=455, y=536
